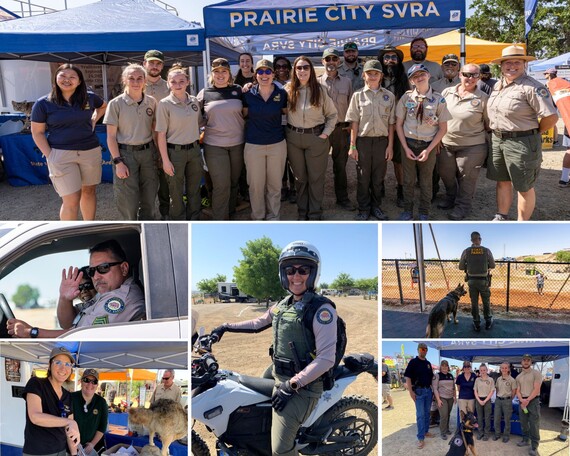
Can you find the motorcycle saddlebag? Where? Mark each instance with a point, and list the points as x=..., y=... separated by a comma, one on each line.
x=249, y=428
x=358, y=362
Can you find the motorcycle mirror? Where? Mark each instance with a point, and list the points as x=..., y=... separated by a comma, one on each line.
x=201, y=331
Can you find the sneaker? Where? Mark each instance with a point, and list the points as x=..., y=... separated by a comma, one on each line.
x=496, y=437
x=347, y=205
x=476, y=327
x=406, y=216
x=564, y=184
x=523, y=443
x=361, y=217
x=377, y=212
x=423, y=217
x=390, y=407
x=489, y=324
x=421, y=444
x=505, y=439
x=445, y=205
x=500, y=218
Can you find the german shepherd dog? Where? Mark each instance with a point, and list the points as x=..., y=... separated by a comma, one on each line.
x=166, y=418
x=442, y=310
x=463, y=441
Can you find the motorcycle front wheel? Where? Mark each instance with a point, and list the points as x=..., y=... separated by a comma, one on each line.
x=365, y=425
x=199, y=447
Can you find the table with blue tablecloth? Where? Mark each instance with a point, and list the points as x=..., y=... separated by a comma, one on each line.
x=24, y=164
x=119, y=434
x=121, y=419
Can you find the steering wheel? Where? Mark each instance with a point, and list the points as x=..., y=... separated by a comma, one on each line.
x=7, y=313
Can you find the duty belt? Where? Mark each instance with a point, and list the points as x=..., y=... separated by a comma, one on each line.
x=314, y=130
x=343, y=124
x=515, y=134
x=181, y=146
x=135, y=148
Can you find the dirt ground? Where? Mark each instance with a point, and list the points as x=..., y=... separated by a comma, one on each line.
x=40, y=202
x=399, y=433
x=247, y=353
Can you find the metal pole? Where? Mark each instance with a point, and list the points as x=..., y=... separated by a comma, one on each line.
x=508, y=283
x=399, y=282
x=206, y=62
x=419, y=242
x=463, y=53
x=439, y=256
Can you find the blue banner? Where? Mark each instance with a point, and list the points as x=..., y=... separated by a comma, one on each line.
x=529, y=15
x=255, y=17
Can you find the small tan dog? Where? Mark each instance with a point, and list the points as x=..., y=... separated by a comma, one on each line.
x=166, y=418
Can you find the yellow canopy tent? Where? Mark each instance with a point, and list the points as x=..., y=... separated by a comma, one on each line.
x=476, y=50
x=123, y=376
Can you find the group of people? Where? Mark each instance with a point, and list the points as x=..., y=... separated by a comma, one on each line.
x=267, y=134
x=475, y=393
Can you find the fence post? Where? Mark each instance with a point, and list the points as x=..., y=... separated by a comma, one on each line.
x=399, y=282
x=508, y=284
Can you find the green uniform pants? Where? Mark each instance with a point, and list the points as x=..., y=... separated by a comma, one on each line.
x=530, y=423
x=425, y=177
x=503, y=407
x=484, y=417
x=479, y=286
x=444, y=414
x=188, y=174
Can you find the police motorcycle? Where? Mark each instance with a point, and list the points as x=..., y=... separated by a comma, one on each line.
x=236, y=408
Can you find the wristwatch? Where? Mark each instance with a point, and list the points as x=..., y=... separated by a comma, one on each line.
x=34, y=332
x=118, y=160
x=294, y=386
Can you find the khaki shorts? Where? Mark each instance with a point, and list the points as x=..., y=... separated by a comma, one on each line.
x=386, y=390
x=69, y=170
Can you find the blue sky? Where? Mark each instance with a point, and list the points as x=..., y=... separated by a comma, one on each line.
x=344, y=247
x=504, y=239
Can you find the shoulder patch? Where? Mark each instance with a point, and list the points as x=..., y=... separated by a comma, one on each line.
x=386, y=97
x=475, y=102
x=442, y=101
x=195, y=107
x=542, y=92
x=114, y=305
x=95, y=411
x=275, y=310
x=324, y=316
x=149, y=112
x=101, y=321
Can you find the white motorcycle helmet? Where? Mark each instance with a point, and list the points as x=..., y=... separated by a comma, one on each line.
x=304, y=253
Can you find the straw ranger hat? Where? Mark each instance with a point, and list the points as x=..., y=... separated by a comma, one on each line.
x=513, y=52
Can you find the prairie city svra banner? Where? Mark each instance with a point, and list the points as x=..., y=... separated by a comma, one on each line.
x=248, y=17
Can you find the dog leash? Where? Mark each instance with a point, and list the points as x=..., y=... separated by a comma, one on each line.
x=464, y=441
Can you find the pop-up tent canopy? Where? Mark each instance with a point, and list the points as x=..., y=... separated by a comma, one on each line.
x=563, y=59
x=309, y=26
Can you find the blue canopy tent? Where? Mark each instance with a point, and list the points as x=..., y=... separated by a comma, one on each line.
x=563, y=59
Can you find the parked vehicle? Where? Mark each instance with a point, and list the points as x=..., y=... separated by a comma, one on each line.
x=228, y=291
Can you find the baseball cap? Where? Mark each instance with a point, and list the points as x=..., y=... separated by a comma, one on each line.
x=475, y=235
x=450, y=58
x=372, y=65
x=264, y=63
x=466, y=364
x=416, y=69
x=220, y=63
x=422, y=345
x=154, y=55
x=526, y=355
x=484, y=68
x=90, y=373
x=61, y=351
x=350, y=45
x=551, y=71
x=330, y=51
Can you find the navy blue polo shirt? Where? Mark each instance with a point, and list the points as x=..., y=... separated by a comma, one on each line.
x=264, y=124
x=466, y=390
x=420, y=372
x=68, y=127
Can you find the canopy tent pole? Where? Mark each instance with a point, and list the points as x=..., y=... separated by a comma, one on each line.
x=463, y=53
x=206, y=61
x=105, y=88
x=419, y=242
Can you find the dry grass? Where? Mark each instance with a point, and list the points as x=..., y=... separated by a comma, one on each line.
x=247, y=353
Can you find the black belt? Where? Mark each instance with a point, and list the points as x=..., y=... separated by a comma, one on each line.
x=181, y=146
x=503, y=398
x=417, y=141
x=314, y=130
x=343, y=124
x=515, y=134
x=139, y=147
x=483, y=398
x=425, y=387
x=531, y=399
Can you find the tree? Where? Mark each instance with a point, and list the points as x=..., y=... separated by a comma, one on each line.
x=503, y=20
x=257, y=273
x=367, y=284
x=563, y=256
x=324, y=286
x=529, y=259
x=210, y=286
x=26, y=297
x=343, y=281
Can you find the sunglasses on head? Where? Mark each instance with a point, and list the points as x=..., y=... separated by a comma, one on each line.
x=57, y=362
x=391, y=57
x=281, y=67
x=302, y=270
x=303, y=67
x=86, y=286
x=102, y=268
x=331, y=58
x=262, y=71
x=93, y=382
x=470, y=75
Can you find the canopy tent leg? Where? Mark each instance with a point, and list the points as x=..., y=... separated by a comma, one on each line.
x=419, y=242
x=206, y=58
x=105, y=87
x=462, y=51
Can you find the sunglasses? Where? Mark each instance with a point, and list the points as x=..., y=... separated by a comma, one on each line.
x=470, y=75
x=57, y=362
x=450, y=64
x=302, y=270
x=62, y=411
x=391, y=57
x=303, y=67
x=422, y=348
x=93, y=382
x=86, y=286
x=102, y=268
x=166, y=378
x=266, y=71
x=281, y=67
x=331, y=59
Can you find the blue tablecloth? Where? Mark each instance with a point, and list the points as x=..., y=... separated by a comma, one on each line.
x=121, y=419
x=24, y=164
x=7, y=117
x=111, y=439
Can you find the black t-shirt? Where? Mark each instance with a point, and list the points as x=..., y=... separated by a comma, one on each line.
x=46, y=440
x=420, y=372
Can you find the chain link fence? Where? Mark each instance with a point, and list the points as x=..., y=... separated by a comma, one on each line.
x=513, y=286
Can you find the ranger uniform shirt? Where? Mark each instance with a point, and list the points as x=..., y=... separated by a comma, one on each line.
x=161, y=392
x=483, y=387
x=126, y=303
x=373, y=111
x=444, y=384
x=339, y=89
x=466, y=127
x=157, y=90
x=179, y=120
x=134, y=121
x=95, y=419
x=476, y=261
x=441, y=84
x=526, y=380
x=505, y=386
x=309, y=116
x=354, y=74
x=434, y=112
x=518, y=105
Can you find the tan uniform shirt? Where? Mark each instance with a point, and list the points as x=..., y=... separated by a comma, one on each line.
x=157, y=90
x=518, y=105
x=340, y=91
x=506, y=386
x=435, y=111
x=441, y=84
x=161, y=392
x=434, y=69
x=134, y=121
x=483, y=387
x=526, y=381
x=468, y=117
x=356, y=79
x=307, y=116
x=374, y=111
x=179, y=120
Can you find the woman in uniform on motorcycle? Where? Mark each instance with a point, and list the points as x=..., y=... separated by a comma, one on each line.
x=300, y=357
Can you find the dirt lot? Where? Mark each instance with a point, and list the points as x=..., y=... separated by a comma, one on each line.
x=399, y=433
x=247, y=354
x=42, y=203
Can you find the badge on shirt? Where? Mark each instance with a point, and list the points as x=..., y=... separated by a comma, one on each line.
x=475, y=102
x=277, y=98
x=114, y=305
x=442, y=101
x=275, y=311
x=542, y=92
x=149, y=112
x=101, y=321
x=386, y=97
x=324, y=316
x=194, y=107
x=411, y=104
x=95, y=411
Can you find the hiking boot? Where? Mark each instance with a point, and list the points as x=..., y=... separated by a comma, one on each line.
x=500, y=218
x=505, y=439
x=347, y=205
x=476, y=326
x=361, y=217
x=400, y=196
x=445, y=205
x=485, y=438
x=453, y=215
x=489, y=324
x=377, y=212
x=496, y=437
x=406, y=216
x=523, y=443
